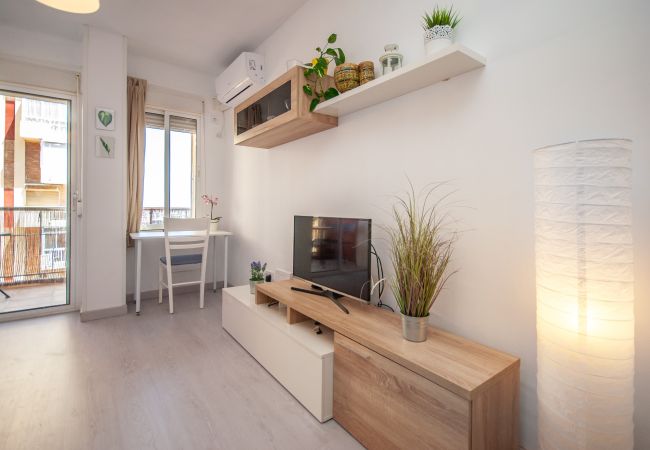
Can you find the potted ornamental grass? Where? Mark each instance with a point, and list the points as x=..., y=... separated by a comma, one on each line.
x=257, y=275
x=420, y=252
x=439, y=28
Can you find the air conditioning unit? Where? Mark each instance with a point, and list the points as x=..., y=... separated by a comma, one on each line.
x=241, y=79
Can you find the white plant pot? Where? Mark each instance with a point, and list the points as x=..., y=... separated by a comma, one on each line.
x=253, y=285
x=214, y=226
x=438, y=38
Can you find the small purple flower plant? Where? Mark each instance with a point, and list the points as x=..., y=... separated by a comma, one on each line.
x=257, y=271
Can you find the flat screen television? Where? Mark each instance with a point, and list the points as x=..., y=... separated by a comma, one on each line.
x=333, y=253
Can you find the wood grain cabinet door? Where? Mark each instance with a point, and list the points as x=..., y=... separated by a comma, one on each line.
x=384, y=405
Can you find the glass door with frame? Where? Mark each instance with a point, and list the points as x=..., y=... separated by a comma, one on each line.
x=35, y=156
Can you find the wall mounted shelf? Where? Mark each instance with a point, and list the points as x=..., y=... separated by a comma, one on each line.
x=448, y=63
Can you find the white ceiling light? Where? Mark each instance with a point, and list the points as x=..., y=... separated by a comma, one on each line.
x=73, y=6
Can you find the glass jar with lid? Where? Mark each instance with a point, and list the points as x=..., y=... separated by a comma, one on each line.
x=391, y=60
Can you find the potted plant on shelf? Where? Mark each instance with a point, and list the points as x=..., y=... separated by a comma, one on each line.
x=420, y=252
x=257, y=275
x=317, y=70
x=212, y=201
x=439, y=28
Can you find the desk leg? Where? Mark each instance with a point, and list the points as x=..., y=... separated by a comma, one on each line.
x=225, y=261
x=138, y=266
x=214, y=264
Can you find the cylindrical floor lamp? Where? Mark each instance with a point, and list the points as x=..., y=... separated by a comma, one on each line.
x=585, y=295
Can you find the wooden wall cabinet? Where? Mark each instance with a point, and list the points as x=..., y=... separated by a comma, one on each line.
x=279, y=113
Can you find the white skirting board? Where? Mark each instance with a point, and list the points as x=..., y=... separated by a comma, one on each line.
x=301, y=360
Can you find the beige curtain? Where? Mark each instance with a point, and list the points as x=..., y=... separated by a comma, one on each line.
x=136, y=90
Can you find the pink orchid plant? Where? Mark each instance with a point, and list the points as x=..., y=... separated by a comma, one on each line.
x=212, y=201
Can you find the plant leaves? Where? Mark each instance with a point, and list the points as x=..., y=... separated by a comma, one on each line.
x=307, y=89
x=105, y=145
x=331, y=52
x=313, y=104
x=330, y=93
x=105, y=118
x=441, y=16
x=341, y=59
x=332, y=38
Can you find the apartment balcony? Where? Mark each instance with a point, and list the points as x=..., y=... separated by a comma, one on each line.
x=33, y=257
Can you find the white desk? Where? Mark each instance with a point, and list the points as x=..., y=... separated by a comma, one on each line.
x=159, y=235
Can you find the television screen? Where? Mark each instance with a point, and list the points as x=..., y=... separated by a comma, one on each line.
x=333, y=253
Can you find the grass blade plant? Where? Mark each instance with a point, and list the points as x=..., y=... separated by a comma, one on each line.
x=420, y=251
x=440, y=16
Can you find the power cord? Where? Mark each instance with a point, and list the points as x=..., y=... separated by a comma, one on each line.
x=380, y=276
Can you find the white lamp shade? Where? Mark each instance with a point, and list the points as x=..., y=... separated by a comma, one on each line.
x=73, y=6
x=585, y=295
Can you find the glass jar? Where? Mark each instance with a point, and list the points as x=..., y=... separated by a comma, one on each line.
x=391, y=60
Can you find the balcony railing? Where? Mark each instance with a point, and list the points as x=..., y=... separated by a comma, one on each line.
x=33, y=243
x=153, y=217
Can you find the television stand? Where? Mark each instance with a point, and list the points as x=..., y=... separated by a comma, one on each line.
x=456, y=394
x=333, y=296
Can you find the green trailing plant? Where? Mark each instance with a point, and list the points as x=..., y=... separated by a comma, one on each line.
x=420, y=252
x=441, y=16
x=317, y=70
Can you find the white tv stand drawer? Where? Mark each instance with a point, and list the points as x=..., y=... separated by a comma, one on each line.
x=301, y=360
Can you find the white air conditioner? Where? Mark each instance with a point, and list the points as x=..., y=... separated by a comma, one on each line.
x=242, y=78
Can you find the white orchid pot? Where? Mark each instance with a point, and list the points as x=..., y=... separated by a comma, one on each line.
x=438, y=38
x=214, y=226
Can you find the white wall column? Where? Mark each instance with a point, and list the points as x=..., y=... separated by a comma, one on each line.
x=104, y=179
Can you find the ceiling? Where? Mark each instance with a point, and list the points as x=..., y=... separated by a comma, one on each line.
x=203, y=35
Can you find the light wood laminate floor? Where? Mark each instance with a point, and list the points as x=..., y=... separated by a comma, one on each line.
x=154, y=381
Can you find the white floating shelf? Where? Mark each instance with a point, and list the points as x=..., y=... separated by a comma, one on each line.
x=450, y=62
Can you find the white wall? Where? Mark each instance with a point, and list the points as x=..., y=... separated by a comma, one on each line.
x=104, y=185
x=179, y=89
x=557, y=71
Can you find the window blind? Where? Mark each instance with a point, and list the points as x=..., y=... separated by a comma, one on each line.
x=153, y=120
x=182, y=124
x=30, y=74
x=176, y=123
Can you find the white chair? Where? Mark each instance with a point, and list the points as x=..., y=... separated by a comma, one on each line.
x=183, y=234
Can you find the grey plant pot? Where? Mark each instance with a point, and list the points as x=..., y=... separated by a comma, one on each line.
x=414, y=328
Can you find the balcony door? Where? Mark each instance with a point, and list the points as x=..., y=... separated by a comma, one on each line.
x=35, y=225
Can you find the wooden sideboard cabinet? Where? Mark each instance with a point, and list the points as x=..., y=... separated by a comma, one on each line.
x=445, y=393
x=279, y=113
x=385, y=405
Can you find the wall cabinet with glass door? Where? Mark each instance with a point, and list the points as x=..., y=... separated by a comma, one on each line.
x=279, y=113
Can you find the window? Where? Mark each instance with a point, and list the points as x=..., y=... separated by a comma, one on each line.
x=169, y=167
